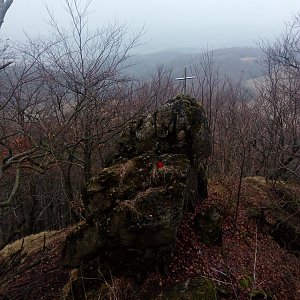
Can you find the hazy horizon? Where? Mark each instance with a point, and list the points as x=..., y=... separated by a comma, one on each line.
x=168, y=24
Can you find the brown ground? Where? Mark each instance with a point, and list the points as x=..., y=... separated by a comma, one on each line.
x=249, y=256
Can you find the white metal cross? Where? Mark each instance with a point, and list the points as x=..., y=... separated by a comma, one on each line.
x=185, y=78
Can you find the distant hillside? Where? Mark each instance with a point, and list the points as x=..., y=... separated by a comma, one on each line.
x=235, y=62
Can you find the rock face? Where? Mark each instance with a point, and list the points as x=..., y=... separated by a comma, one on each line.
x=133, y=212
x=180, y=127
x=135, y=205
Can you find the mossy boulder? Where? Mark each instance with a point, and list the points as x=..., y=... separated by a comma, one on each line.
x=31, y=268
x=286, y=228
x=133, y=223
x=134, y=206
x=209, y=226
x=178, y=127
x=281, y=217
x=192, y=289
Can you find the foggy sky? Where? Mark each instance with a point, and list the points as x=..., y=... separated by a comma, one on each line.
x=168, y=23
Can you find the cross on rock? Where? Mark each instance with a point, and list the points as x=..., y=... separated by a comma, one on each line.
x=185, y=78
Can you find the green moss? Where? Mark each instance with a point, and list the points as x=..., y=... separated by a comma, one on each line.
x=259, y=295
x=209, y=225
x=192, y=289
x=246, y=282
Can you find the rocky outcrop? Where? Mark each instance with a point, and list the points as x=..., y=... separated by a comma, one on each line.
x=133, y=212
x=134, y=206
x=178, y=127
x=281, y=217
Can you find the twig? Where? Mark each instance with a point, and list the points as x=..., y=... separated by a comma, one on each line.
x=83, y=285
x=255, y=260
x=8, y=212
x=22, y=245
x=5, y=65
x=219, y=271
x=14, y=190
x=44, y=244
x=216, y=280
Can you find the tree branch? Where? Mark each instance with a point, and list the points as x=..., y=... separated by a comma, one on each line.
x=14, y=190
x=5, y=65
x=4, y=6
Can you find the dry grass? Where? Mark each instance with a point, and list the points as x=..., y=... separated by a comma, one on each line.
x=31, y=268
x=29, y=244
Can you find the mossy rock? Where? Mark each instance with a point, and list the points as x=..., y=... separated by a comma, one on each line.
x=246, y=282
x=192, y=289
x=260, y=295
x=178, y=127
x=134, y=222
x=208, y=223
x=134, y=206
x=287, y=236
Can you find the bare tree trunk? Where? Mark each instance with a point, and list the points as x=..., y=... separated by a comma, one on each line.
x=239, y=188
x=4, y=6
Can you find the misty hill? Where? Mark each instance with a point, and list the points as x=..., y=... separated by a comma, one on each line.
x=236, y=62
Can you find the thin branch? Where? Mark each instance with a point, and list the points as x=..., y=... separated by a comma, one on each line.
x=6, y=65
x=255, y=261
x=14, y=190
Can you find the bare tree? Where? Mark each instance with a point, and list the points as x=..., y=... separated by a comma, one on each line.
x=61, y=105
x=64, y=103
x=279, y=97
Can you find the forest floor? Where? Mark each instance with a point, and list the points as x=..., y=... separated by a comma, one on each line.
x=248, y=262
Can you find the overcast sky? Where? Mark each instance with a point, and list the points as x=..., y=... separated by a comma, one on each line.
x=168, y=23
